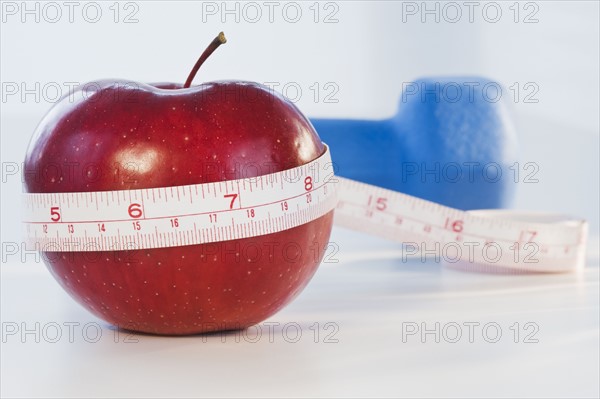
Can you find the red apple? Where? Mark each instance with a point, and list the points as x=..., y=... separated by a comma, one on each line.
x=134, y=136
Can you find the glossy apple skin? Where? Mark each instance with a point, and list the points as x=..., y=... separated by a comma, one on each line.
x=132, y=136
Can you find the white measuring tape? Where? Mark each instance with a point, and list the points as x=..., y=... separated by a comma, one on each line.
x=248, y=207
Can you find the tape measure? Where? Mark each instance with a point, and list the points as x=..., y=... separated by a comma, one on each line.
x=249, y=207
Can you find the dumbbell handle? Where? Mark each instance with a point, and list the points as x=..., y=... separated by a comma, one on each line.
x=363, y=150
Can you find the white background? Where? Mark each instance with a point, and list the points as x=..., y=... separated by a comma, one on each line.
x=369, y=53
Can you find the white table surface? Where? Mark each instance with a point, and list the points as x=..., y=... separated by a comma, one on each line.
x=368, y=294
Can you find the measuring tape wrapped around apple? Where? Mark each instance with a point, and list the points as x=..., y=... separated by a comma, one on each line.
x=205, y=208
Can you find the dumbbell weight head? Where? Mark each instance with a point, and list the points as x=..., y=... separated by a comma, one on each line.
x=452, y=141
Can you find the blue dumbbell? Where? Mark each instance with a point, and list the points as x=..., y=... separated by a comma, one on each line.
x=451, y=141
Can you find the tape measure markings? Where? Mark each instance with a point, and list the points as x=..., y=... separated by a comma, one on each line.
x=176, y=238
x=557, y=246
x=169, y=216
x=296, y=193
x=343, y=203
x=243, y=208
x=449, y=214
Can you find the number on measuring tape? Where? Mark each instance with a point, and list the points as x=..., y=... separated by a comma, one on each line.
x=135, y=210
x=233, y=197
x=55, y=213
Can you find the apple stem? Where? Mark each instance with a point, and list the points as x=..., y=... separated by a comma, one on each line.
x=217, y=41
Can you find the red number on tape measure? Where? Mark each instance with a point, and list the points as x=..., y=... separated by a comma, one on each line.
x=456, y=226
x=135, y=210
x=308, y=185
x=233, y=198
x=55, y=213
x=380, y=203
